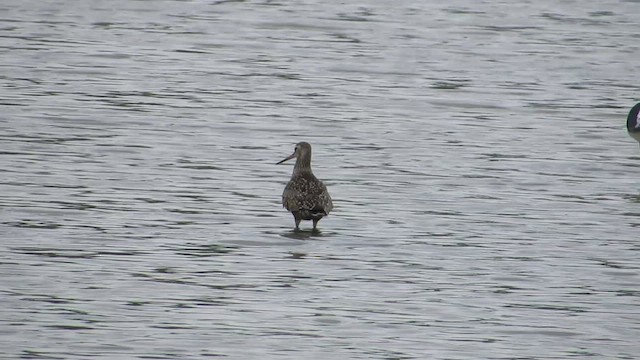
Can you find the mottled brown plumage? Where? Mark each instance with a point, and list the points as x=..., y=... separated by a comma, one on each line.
x=305, y=196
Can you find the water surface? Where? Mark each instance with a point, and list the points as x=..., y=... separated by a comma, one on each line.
x=485, y=190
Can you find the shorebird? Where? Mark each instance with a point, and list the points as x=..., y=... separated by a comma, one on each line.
x=305, y=196
x=633, y=122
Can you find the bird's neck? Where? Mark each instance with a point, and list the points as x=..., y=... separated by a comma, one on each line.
x=303, y=166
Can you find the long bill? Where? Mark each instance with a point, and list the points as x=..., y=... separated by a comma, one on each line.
x=287, y=158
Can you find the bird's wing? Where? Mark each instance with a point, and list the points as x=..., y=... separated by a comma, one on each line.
x=306, y=194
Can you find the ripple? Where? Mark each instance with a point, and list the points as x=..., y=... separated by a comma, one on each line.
x=485, y=188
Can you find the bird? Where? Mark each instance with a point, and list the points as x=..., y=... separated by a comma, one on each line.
x=305, y=196
x=633, y=122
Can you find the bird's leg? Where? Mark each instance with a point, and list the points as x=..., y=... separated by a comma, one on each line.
x=297, y=223
x=315, y=223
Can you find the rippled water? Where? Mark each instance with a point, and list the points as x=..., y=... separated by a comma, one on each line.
x=485, y=190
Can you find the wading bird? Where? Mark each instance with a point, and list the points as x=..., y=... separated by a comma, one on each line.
x=305, y=196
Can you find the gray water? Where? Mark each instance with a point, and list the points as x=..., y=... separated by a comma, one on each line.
x=486, y=192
